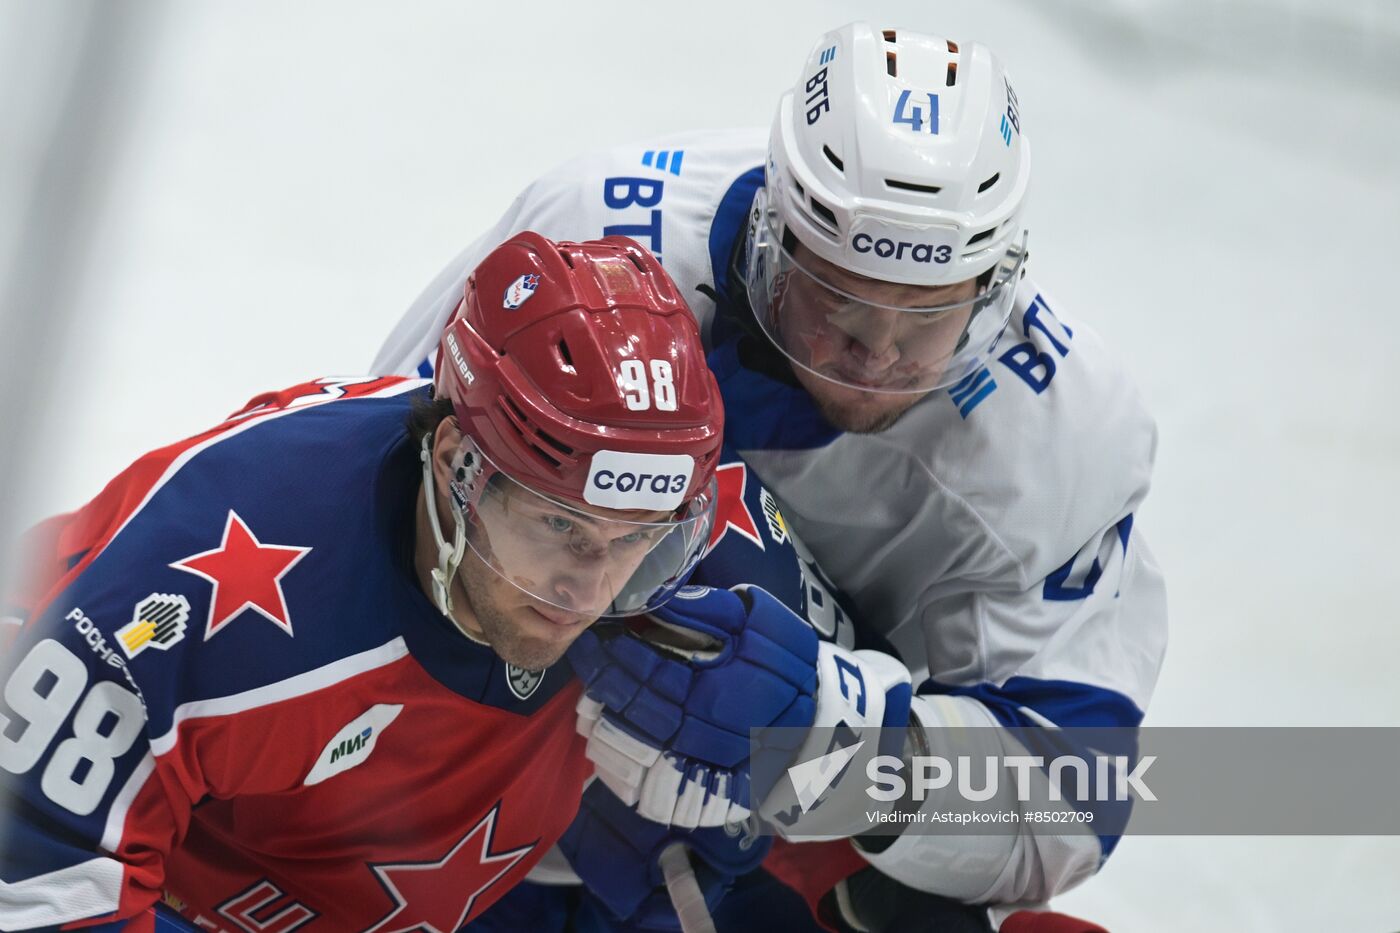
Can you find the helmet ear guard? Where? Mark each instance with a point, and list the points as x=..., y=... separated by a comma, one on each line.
x=469, y=476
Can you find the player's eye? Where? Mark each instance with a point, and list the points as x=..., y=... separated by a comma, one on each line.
x=832, y=303
x=644, y=538
x=558, y=524
x=926, y=319
x=845, y=314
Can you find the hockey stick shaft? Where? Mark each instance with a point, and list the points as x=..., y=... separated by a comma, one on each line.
x=685, y=890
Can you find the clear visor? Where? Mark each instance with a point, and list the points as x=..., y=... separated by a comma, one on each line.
x=871, y=335
x=582, y=561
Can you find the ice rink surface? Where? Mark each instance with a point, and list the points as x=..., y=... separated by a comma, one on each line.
x=1216, y=189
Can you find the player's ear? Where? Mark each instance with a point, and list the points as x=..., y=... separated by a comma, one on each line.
x=446, y=438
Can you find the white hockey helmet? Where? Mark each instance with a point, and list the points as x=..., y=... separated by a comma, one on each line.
x=898, y=157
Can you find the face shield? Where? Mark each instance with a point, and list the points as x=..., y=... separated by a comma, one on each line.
x=870, y=335
x=582, y=561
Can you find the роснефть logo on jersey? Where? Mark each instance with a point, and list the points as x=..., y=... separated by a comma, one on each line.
x=158, y=621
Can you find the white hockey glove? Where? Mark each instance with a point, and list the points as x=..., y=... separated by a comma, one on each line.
x=863, y=702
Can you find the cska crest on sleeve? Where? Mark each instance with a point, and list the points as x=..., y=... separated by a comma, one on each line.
x=246, y=573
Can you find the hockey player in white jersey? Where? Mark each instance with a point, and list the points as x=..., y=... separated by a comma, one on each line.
x=963, y=457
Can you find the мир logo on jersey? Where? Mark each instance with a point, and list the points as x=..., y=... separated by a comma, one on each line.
x=520, y=291
x=158, y=621
x=352, y=745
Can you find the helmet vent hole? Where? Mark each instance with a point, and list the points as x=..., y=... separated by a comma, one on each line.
x=568, y=259
x=952, y=73
x=558, y=446
x=979, y=237
x=564, y=449
x=566, y=357
x=552, y=461
x=889, y=35
x=516, y=416
x=910, y=186
x=824, y=212
x=890, y=67
x=952, y=47
x=636, y=261
x=801, y=192
x=988, y=183
x=832, y=158
x=533, y=437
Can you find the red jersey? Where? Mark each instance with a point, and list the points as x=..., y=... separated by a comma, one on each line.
x=230, y=690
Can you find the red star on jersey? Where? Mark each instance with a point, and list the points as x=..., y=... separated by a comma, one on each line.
x=730, y=509
x=246, y=574
x=428, y=895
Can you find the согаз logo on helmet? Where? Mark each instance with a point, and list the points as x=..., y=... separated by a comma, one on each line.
x=623, y=480
x=889, y=249
x=626, y=482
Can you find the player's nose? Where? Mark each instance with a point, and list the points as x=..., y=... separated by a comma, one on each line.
x=582, y=588
x=874, y=337
x=876, y=358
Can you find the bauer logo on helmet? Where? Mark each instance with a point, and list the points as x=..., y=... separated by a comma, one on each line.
x=456, y=352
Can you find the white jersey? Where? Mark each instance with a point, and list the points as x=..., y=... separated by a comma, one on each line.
x=988, y=536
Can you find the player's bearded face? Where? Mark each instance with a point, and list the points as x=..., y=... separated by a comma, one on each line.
x=536, y=577
x=863, y=363
x=536, y=573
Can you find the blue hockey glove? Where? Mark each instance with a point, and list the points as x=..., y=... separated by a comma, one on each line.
x=863, y=700
x=667, y=710
x=615, y=852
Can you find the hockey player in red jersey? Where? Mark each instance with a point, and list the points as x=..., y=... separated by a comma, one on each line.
x=299, y=671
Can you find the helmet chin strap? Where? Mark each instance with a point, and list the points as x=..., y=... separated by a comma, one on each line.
x=467, y=467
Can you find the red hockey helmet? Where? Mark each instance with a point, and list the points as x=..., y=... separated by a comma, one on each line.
x=578, y=378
